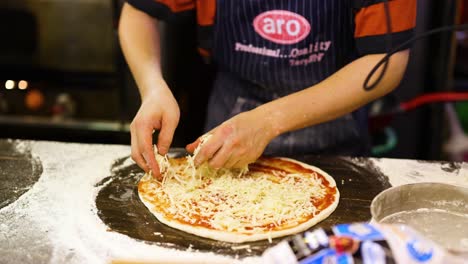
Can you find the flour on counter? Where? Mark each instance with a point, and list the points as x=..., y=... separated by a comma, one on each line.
x=402, y=171
x=56, y=220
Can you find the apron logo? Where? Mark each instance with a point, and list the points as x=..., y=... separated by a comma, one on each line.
x=282, y=27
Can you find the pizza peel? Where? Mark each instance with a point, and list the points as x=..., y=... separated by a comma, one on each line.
x=120, y=208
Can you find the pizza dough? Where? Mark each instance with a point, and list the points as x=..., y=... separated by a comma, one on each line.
x=276, y=197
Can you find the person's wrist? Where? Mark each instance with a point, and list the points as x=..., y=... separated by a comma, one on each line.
x=153, y=87
x=270, y=122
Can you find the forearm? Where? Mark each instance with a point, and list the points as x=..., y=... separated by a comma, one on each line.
x=139, y=39
x=336, y=96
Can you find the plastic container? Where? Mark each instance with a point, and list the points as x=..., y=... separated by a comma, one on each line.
x=359, y=243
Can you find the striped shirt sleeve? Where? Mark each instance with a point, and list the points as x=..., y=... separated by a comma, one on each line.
x=371, y=24
x=164, y=9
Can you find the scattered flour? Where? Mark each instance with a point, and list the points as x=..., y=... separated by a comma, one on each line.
x=401, y=171
x=56, y=220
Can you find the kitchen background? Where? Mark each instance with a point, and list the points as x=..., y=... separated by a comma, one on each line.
x=63, y=77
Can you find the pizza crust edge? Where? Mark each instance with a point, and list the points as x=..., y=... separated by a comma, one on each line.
x=240, y=238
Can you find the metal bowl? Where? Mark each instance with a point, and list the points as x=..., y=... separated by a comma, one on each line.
x=438, y=211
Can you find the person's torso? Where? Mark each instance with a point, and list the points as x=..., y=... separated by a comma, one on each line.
x=283, y=45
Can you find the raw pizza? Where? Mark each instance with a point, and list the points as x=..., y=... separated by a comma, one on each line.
x=274, y=197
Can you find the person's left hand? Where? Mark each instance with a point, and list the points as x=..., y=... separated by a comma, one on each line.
x=237, y=142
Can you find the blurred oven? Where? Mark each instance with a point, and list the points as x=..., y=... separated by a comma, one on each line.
x=64, y=35
x=59, y=71
x=78, y=85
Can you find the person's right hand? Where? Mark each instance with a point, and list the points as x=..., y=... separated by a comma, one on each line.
x=158, y=111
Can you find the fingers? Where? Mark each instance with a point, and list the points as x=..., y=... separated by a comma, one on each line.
x=166, y=134
x=142, y=150
x=230, y=156
x=145, y=145
x=153, y=164
x=241, y=163
x=212, y=145
x=231, y=162
x=192, y=146
x=219, y=159
x=158, y=111
x=209, y=148
x=136, y=155
x=222, y=158
x=230, y=146
x=142, y=143
x=207, y=151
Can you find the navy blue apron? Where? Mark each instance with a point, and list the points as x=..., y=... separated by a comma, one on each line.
x=266, y=49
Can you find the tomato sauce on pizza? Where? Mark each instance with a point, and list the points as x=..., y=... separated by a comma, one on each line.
x=275, y=197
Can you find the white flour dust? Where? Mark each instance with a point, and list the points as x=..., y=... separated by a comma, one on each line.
x=400, y=171
x=56, y=220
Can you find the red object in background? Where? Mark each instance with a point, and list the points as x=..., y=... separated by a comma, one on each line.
x=34, y=99
x=64, y=106
x=382, y=119
x=433, y=98
x=344, y=244
x=57, y=110
x=463, y=12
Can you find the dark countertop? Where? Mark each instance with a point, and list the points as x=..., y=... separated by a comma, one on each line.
x=76, y=203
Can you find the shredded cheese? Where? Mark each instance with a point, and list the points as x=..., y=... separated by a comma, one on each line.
x=163, y=161
x=232, y=199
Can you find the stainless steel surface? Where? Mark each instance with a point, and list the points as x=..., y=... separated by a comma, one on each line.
x=438, y=211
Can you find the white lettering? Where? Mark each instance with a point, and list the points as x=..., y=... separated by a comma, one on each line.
x=311, y=59
x=324, y=46
x=298, y=52
x=269, y=26
x=279, y=26
x=257, y=50
x=293, y=24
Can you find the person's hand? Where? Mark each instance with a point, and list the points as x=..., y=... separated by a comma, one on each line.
x=158, y=111
x=237, y=142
